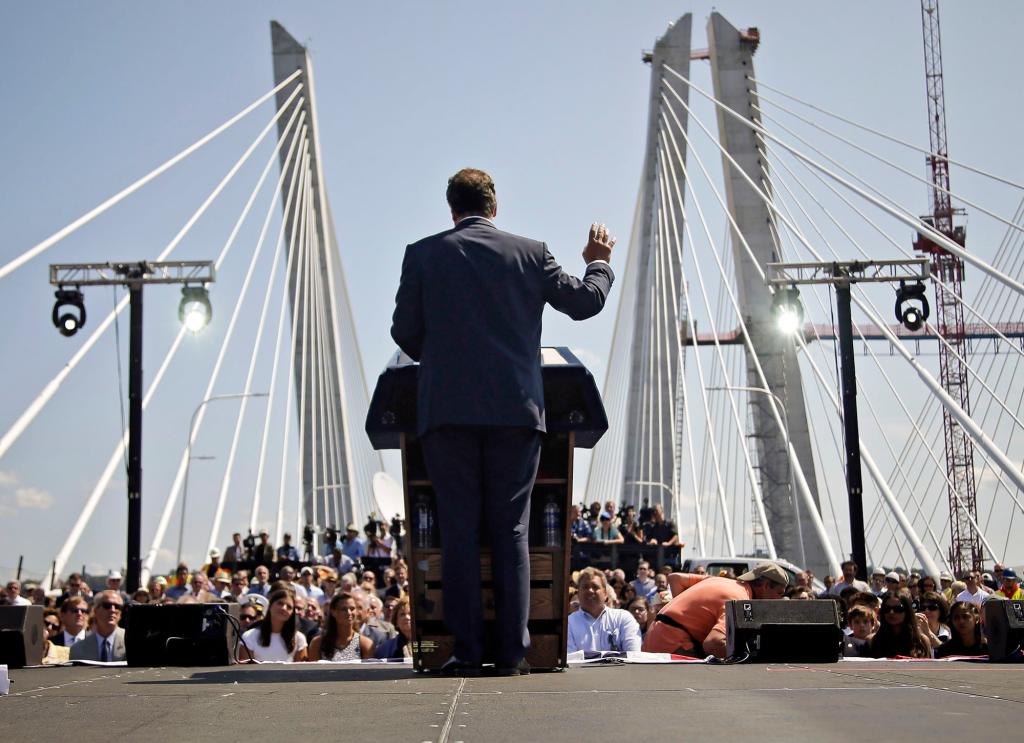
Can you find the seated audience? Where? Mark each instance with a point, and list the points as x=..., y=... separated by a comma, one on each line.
x=861, y=624
x=399, y=646
x=106, y=642
x=899, y=632
x=967, y=638
x=596, y=626
x=936, y=612
x=277, y=637
x=341, y=640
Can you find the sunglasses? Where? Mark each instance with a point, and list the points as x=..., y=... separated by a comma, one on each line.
x=76, y=610
x=53, y=626
x=111, y=606
x=930, y=607
x=893, y=610
x=250, y=617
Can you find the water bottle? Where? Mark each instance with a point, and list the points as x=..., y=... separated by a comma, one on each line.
x=552, y=523
x=424, y=522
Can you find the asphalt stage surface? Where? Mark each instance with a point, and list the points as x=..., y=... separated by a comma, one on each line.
x=862, y=701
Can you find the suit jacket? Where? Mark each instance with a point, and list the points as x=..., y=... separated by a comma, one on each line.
x=88, y=647
x=469, y=309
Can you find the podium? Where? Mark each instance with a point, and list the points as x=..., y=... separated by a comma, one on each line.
x=575, y=418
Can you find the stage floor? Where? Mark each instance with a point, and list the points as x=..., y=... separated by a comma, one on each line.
x=854, y=701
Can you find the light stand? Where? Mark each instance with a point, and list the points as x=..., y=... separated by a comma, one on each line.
x=134, y=276
x=784, y=277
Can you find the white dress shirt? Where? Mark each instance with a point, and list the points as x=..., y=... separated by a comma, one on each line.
x=613, y=629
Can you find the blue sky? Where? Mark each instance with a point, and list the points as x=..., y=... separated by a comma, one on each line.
x=548, y=97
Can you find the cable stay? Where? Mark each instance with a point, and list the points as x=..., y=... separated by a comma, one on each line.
x=862, y=127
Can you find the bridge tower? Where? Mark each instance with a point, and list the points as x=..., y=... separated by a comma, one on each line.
x=338, y=463
x=649, y=467
x=732, y=64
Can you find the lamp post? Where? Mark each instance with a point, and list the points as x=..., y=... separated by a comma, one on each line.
x=189, y=457
x=785, y=424
x=194, y=312
x=784, y=278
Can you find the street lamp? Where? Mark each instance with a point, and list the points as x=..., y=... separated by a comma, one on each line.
x=134, y=276
x=785, y=424
x=188, y=452
x=841, y=276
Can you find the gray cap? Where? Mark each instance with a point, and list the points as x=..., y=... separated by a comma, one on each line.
x=768, y=570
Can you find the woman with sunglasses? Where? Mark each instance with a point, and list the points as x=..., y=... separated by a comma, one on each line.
x=899, y=632
x=935, y=610
x=967, y=638
x=52, y=651
x=341, y=639
x=277, y=637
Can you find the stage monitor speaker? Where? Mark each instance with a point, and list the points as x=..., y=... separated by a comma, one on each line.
x=21, y=636
x=1004, y=629
x=181, y=634
x=783, y=631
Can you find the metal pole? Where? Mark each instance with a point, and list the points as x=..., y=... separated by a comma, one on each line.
x=851, y=433
x=21, y=559
x=135, y=434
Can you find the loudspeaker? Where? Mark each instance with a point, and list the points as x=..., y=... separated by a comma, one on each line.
x=783, y=631
x=21, y=636
x=1004, y=629
x=181, y=634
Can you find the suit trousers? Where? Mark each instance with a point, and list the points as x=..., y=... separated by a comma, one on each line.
x=483, y=477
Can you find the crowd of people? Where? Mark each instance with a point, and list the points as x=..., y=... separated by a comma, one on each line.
x=331, y=604
x=897, y=614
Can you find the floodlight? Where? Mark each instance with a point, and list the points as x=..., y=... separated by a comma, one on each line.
x=912, y=316
x=195, y=311
x=68, y=323
x=788, y=310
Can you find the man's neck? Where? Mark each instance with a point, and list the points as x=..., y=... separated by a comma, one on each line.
x=107, y=635
x=600, y=611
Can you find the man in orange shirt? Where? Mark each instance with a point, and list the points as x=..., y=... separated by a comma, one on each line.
x=693, y=623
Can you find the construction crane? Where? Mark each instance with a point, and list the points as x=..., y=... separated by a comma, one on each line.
x=965, y=546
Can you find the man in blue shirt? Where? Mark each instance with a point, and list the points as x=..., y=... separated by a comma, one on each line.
x=352, y=546
x=286, y=552
x=596, y=626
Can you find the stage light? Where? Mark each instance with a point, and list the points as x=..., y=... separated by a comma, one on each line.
x=68, y=323
x=788, y=310
x=915, y=313
x=195, y=311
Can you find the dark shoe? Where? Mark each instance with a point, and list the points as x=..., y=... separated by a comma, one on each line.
x=455, y=667
x=520, y=669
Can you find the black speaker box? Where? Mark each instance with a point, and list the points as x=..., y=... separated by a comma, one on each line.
x=21, y=636
x=783, y=631
x=1004, y=629
x=181, y=634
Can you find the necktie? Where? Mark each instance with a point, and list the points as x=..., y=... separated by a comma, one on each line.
x=105, y=653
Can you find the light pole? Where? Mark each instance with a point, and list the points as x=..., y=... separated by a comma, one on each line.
x=792, y=485
x=194, y=312
x=189, y=457
x=784, y=278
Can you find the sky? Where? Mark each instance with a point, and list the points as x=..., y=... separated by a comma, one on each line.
x=550, y=98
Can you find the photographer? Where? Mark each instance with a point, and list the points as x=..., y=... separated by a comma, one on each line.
x=629, y=527
x=379, y=542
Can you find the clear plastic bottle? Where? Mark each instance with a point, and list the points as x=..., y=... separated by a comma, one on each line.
x=552, y=523
x=424, y=522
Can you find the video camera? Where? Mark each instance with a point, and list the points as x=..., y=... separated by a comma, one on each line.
x=249, y=543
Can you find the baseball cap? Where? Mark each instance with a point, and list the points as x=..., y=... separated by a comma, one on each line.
x=222, y=575
x=306, y=570
x=351, y=527
x=605, y=516
x=264, y=532
x=1010, y=573
x=893, y=576
x=945, y=575
x=114, y=575
x=768, y=570
x=160, y=580
x=878, y=571
x=215, y=552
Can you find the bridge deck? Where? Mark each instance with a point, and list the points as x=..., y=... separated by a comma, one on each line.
x=837, y=702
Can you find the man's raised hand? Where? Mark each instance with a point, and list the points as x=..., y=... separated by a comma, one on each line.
x=599, y=245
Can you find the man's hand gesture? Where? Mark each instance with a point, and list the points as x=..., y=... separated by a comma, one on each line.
x=599, y=246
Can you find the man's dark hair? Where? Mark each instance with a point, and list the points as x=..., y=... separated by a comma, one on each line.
x=471, y=193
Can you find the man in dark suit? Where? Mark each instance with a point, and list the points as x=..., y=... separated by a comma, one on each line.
x=469, y=309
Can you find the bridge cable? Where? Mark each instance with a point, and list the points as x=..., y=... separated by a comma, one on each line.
x=94, y=497
x=835, y=222
x=957, y=412
x=891, y=138
x=802, y=484
x=50, y=389
x=92, y=214
x=172, y=496
x=749, y=467
x=916, y=224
